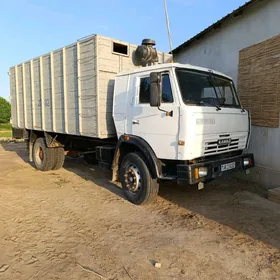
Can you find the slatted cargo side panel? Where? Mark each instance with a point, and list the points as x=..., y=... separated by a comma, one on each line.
x=12, y=74
x=87, y=87
x=58, y=92
x=28, y=108
x=106, y=92
x=46, y=93
x=71, y=91
x=37, y=95
x=109, y=64
x=20, y=98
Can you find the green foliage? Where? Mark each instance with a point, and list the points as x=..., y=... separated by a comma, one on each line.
x=7, y=134
x=5, y=126
x=5, y=110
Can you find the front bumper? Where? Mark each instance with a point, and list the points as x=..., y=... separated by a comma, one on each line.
x=187, y=174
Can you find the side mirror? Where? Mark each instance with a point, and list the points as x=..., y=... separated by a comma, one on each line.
x=155, y=89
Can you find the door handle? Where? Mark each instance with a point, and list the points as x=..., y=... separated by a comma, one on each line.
x=136, y=122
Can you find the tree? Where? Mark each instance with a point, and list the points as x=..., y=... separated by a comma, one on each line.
x=5, y=110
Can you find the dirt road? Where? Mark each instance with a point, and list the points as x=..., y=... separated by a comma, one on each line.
x=73, y=223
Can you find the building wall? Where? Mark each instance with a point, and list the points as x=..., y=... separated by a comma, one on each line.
x=219, y=50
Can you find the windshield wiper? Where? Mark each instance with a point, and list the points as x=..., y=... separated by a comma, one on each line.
x=210, y=80
x=209, y=104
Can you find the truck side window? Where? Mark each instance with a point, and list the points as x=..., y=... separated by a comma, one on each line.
x=166, y=94
x=144, y=95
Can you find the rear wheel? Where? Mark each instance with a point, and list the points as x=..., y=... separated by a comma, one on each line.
x=43, y=156
x=59, y=158
x=138, y=185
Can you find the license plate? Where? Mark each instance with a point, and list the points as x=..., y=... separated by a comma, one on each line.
x=227, y=166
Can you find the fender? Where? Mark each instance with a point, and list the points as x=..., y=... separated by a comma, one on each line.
x=140, y=144
x=51, y=141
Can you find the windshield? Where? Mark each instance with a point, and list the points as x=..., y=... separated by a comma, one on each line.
x=206, y=89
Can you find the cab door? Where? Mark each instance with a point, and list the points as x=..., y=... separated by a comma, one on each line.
x=158, y=129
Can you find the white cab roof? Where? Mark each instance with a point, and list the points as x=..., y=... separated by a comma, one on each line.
x=165, y=66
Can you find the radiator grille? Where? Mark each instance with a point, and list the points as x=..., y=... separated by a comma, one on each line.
x=213, y=147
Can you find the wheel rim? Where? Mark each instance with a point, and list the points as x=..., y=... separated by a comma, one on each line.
x=39, y=155
x=133, y=180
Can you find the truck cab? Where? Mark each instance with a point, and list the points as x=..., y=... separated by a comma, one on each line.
x=188, y=118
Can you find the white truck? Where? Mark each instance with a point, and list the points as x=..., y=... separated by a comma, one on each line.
x=129, y=109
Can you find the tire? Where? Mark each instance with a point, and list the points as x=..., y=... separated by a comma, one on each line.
x=91, y=158
x=59, y=158
x=43, y=157
x=138, y=185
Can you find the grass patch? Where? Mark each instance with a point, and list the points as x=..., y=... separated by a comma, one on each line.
x=5, y=126
x=6, y=134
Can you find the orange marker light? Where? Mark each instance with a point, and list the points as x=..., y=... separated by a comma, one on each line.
x=126, y=138
x=196, y=173
x=181, y=143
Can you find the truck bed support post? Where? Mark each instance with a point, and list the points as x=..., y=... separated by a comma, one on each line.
x=115, y=166
x=30, y=150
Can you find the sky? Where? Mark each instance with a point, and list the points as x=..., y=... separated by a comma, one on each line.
x=31, y=28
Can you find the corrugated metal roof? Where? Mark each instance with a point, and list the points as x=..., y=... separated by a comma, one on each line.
x=239, y=11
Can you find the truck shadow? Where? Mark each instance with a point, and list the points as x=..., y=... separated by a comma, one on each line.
x=233, y=203
x=239, y=205
x=93, y=173
x=77, y=166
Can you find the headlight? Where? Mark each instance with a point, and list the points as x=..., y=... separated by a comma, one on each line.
x=247, y=161
x=201, y=172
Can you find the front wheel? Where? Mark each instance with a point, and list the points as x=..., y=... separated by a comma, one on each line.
x=138, y=185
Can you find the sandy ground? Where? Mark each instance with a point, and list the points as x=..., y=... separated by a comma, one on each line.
x=73, y=223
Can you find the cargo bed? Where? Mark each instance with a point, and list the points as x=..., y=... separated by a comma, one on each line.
x=70, y=90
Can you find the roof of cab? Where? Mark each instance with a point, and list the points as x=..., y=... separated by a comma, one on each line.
x=169, y=66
